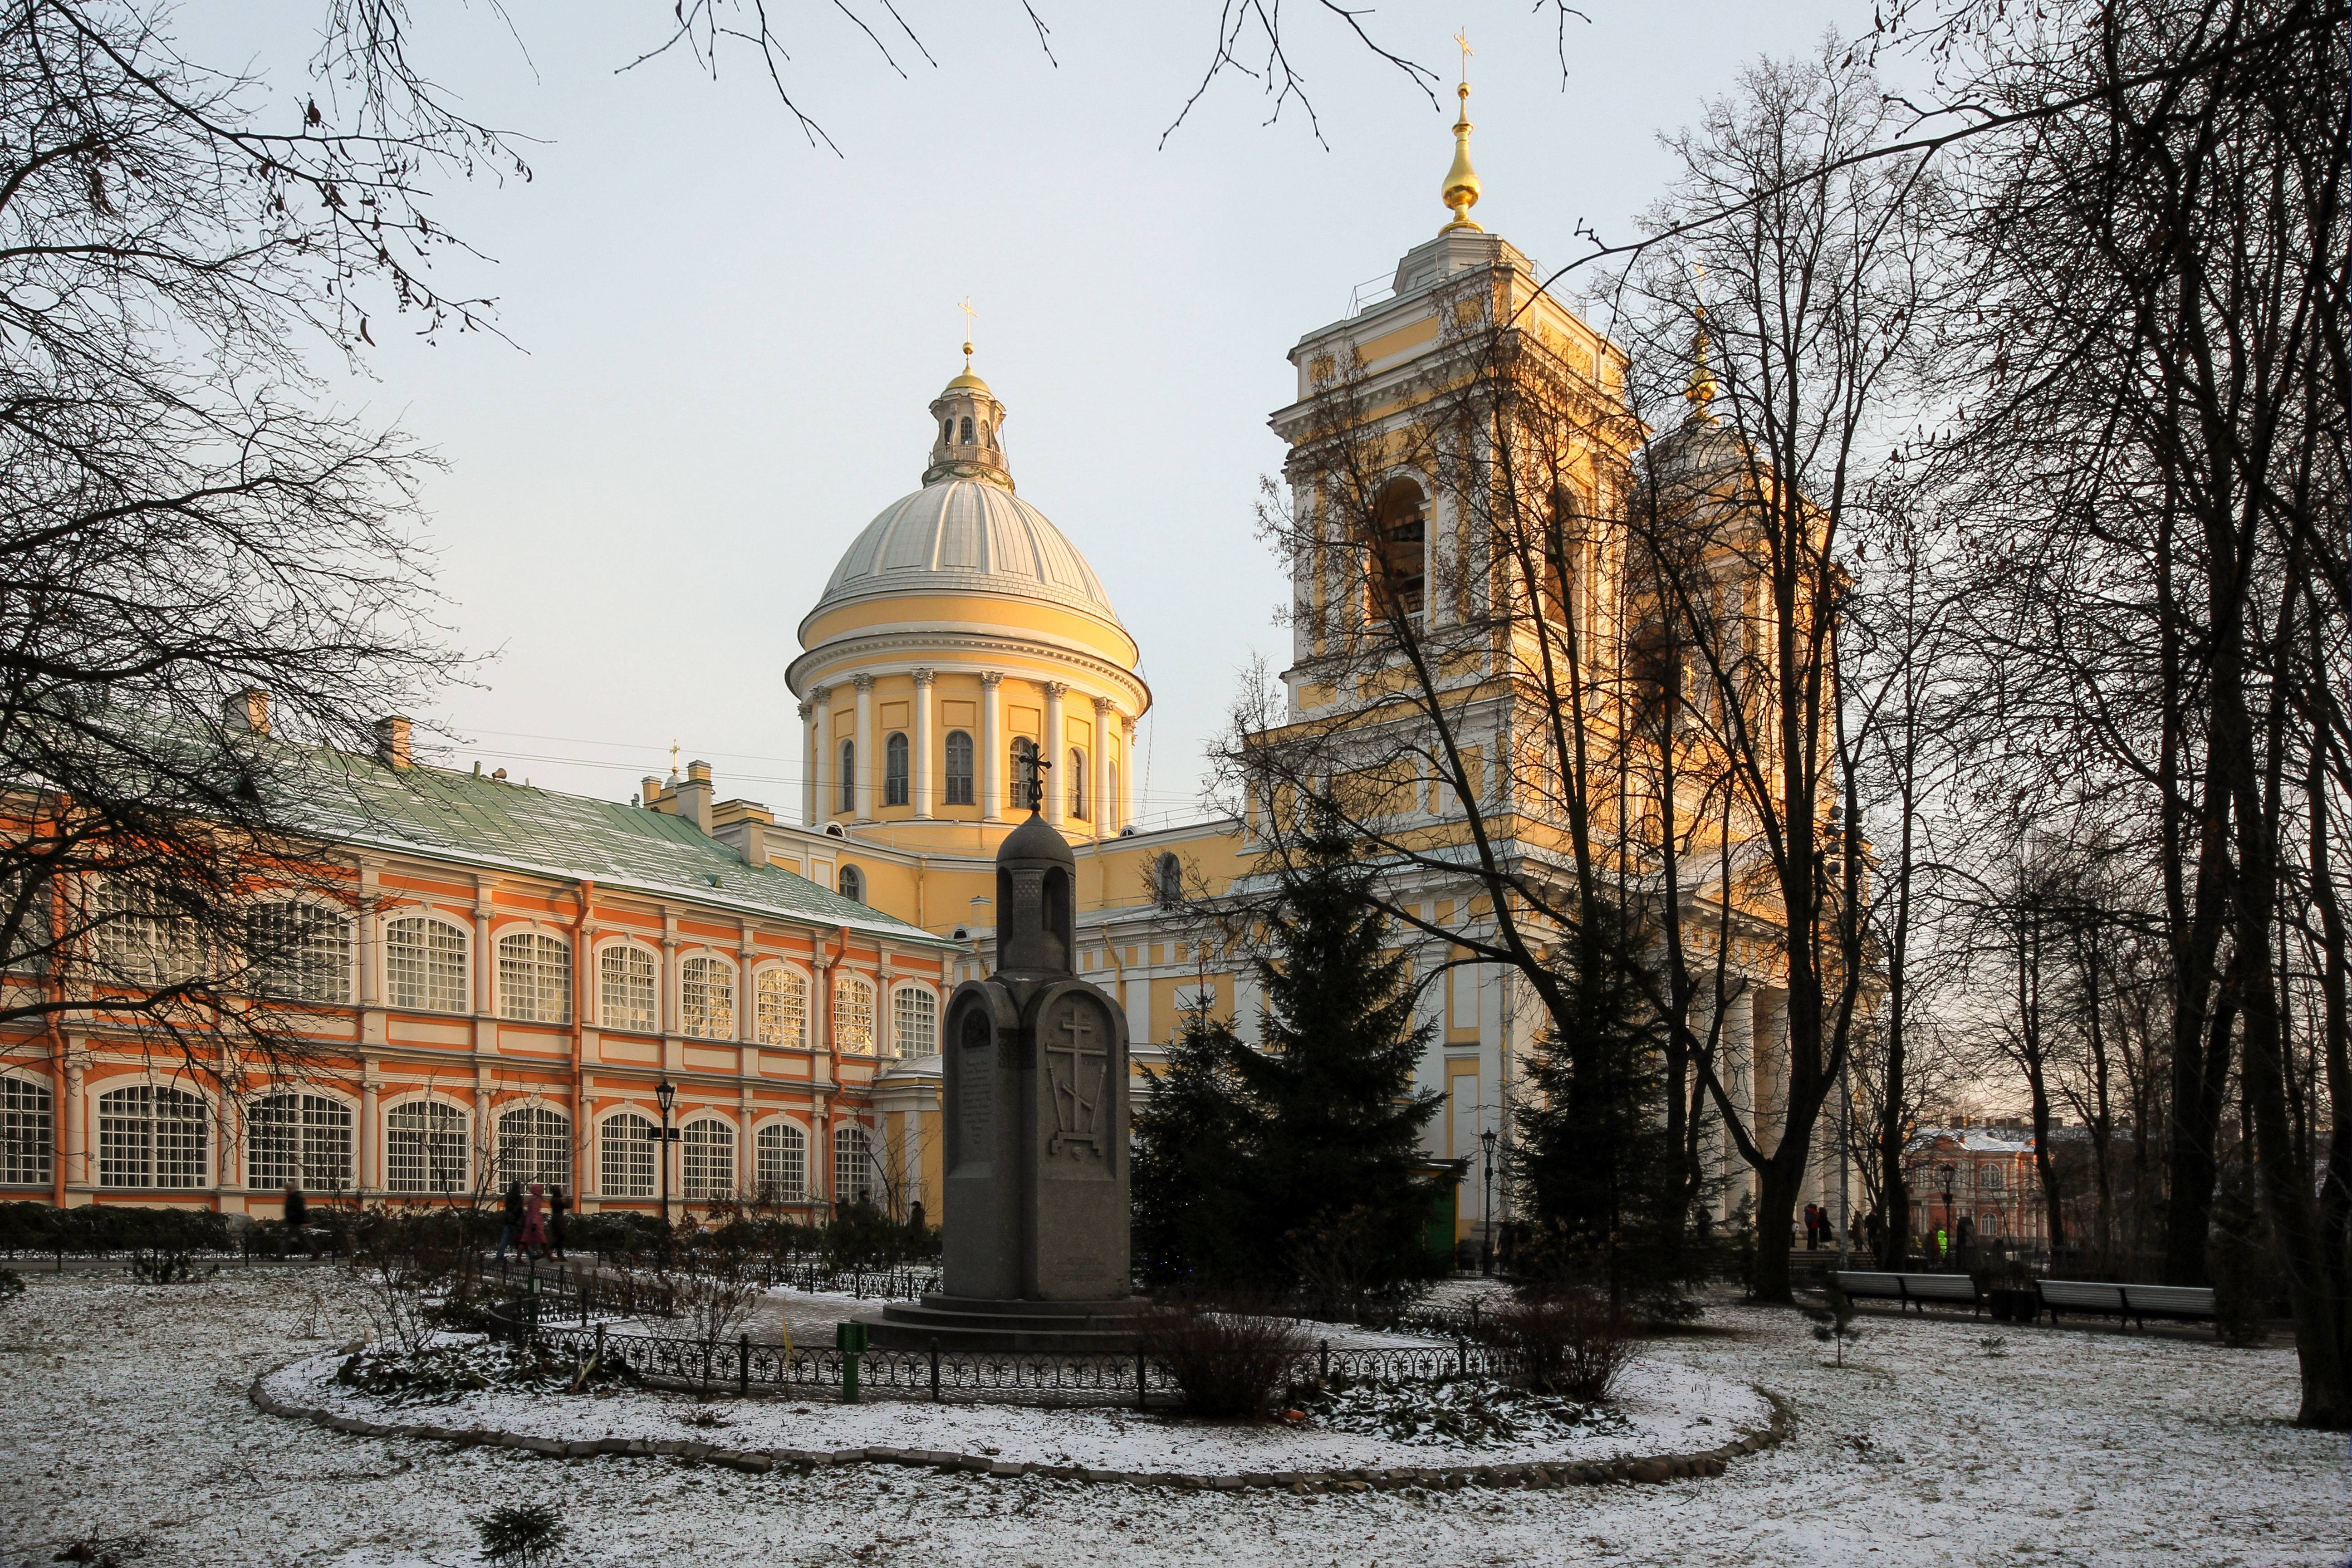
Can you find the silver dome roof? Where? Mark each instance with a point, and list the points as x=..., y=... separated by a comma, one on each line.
x=965, y=536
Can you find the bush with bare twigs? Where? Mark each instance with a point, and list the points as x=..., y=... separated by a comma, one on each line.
x=1576, y=1343
x=1226, y=1365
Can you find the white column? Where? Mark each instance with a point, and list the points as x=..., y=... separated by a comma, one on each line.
x=368, y=1135
x=1099, y=790
x=921, y=761
x=1054, y=746
x=991, y=747
x=484, y=960
x=1129, y=770
x=862, y=785
x=821, y=769
x=812, y=751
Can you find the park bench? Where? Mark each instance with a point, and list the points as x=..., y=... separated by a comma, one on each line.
x=2187, y=1302
x=1941, y=1290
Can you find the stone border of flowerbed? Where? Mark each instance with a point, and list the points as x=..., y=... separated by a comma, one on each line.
x=1651, y=1471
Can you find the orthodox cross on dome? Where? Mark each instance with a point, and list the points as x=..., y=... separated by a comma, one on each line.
x=673, y=759
x=1076, y=1111
x=1460, y=192
x=969, y=313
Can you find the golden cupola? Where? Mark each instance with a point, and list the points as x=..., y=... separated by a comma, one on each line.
x=1460, y=192
x=970, y=426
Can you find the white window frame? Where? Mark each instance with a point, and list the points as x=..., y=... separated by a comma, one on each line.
x=780, y=1173
x=699, y=1179
x=618, y=1151
x=698, y=1015
x=319, y=972
x=130, y=1161
x=135, y=946
x=923, y=997
x=623, y=950
x=856, y=1023
x=852, y=1140
x=535, y=986
x=435, y=996
x=431, y=1178
x=786, y=1031
x=28, y=1122
x=318, y=1159
x=533, y=1141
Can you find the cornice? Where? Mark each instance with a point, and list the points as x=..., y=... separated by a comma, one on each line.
x=961, y=653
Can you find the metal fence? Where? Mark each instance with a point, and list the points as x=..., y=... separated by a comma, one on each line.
x=1139, y=1380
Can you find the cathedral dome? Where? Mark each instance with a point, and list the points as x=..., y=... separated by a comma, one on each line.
x=962, y=536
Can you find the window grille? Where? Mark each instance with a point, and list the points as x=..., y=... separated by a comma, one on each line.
x=301, y=951
x=535, y=1145
x=853, y=1016
x=535, y=978
x=781, y=1155
x=425, y=964
x=151, y=1137
x=914, y=1021
x=849, y=775
x=26, y=1128
x=424, y=1148
x=856, y=1176
x=894, y=770
x=708, y=992
x=707, y=1158
x=137, y=942
x=305, y=1139
x=782, y=1006
x=959, y=768
x=626, y=1148
x=626, y=988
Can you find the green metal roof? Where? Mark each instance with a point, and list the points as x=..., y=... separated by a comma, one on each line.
x=496, y=823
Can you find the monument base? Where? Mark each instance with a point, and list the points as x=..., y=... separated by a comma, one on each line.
x=1009, y=1328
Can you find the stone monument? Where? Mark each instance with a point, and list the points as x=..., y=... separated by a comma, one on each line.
x=1033, y=1119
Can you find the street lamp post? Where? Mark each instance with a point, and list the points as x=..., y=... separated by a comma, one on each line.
x=1487, y=1204
x=1950, y=1230
x=666, y=1096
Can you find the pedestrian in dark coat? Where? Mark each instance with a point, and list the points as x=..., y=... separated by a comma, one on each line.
x=514, y=1214
x=298, y=1207
x=559, y=1216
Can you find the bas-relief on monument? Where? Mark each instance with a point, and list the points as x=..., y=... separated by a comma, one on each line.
x=1036, y=1103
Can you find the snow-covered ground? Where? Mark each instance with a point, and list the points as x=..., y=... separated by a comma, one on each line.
x=123, y=1419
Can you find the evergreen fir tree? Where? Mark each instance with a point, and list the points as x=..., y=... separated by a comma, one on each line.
x=1606, y=1195
x=1334, y=1123
x=1184, y=1184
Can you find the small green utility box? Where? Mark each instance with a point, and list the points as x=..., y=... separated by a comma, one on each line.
x=849, y=1339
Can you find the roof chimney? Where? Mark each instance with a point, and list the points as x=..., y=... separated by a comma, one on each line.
x=247, y=711
x=392, y=742
x=693, y=795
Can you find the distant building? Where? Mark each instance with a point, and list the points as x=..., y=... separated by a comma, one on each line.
x=1985, y=1174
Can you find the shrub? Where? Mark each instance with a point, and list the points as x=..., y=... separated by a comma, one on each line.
x=1225, y=1365
x=520, y=1535
x=1576, y=1341
x=11, y=1285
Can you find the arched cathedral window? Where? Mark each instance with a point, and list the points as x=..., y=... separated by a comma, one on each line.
x=849, y=775
x=959, y=768
x=894, y=769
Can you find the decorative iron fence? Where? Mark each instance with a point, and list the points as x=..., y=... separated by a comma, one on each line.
x=1141, y=1380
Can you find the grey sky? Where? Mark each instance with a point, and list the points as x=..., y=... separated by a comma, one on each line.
x=725, y=341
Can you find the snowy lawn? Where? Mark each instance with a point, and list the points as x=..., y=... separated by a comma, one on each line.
x=123, y=1419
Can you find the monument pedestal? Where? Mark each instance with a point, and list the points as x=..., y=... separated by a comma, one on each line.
x=1009, y=1328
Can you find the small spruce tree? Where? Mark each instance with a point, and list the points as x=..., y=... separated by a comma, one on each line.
x=1184, y=1184
x=1334, y=1121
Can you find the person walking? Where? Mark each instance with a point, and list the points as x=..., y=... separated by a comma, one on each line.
x=514, y=1215
x=534, y=1222
x=1875, y=1229
x=558, y=1212
x=298, y=1207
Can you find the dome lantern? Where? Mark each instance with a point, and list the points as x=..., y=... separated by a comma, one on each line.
x=968, y=432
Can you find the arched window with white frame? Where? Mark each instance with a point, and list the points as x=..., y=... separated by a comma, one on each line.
x=534, y=978
x=707, y=1159
x=152, y=1135
x=848, y=775
x=535, y=1145
x=1078, y=763
x=299, y=951
x=305, y=1139
x=781, y=1003
x=426, y=1148
x=28, y=1132
x=137, y=941
x=959, y=768
x=425, y=964
x=626, y=998
x=914, y=1021
x=852, y=1014
x=628, y=1146
x=706, y=998
x=781, y=1164
x=852, y=883
x=894, y=769
x=856, y=1177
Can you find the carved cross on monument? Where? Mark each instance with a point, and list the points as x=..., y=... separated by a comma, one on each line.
x=1077, y=1115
